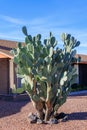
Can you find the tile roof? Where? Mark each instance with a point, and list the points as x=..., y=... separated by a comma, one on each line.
x=6, y=46
x=82, y=57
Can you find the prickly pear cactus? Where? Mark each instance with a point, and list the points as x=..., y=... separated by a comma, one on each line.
x=46, y=71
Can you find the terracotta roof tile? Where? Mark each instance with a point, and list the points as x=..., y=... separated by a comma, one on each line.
x=6, y=46
x=83, y=57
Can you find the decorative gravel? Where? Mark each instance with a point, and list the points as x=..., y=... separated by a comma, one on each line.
x=14, y=115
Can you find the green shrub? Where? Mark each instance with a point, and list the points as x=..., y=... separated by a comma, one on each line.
x=78, y=87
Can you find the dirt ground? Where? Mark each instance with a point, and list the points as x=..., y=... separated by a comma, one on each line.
x=14, y=115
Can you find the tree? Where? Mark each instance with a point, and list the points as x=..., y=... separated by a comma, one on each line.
x=46, y=71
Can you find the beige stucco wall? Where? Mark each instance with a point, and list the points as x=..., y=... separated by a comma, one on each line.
x=11, y=74
x=13, y=81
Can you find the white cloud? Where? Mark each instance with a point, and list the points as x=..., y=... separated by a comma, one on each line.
x=83, y=45
x=32, y=22
x=41, y=25
x=12, y=20
x=15, y=36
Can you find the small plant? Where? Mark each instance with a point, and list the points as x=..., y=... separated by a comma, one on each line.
x=78, y=87
x=46, y=71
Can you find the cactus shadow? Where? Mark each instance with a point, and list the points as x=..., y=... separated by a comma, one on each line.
x=77, y=116
x=8, y=108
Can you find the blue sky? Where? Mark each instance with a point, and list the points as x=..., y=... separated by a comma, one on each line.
x=43, y=16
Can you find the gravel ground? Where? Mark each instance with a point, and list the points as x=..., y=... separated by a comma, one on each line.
x=14, y=115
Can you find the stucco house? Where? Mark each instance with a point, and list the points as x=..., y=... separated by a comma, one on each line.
x=81, y=67
x=8, y=76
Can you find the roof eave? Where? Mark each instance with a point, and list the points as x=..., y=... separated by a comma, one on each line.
x=6, y=55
